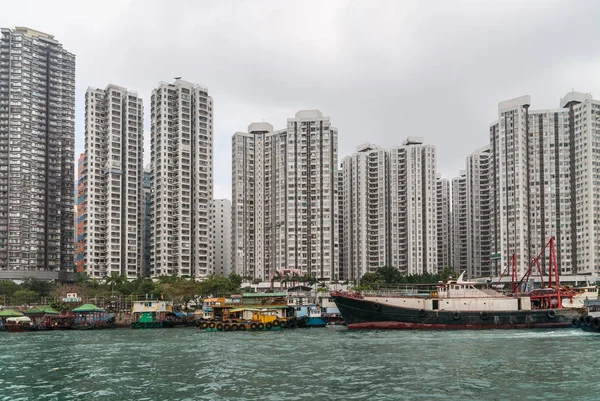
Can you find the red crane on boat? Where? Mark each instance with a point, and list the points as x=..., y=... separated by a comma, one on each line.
x=549, y=296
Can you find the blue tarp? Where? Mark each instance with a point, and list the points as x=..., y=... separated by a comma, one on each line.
x=180, y=314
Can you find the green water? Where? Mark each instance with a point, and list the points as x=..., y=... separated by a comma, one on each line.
x=312, y=364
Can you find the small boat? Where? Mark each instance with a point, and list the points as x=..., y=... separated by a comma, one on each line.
x=18, y=324
x=242, y=319
x=150, y=314
x=580, y=295
x=335, y=321
x=58, y=322
x=310, y=315
x=591, y=321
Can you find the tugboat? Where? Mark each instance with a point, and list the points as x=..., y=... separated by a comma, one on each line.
x=151, y=314
x=460, y=305
x=311, y=316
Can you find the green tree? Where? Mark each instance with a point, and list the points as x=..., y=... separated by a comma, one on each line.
x=295, y=279
x=41, y=287
x=235, y=280
x=25, y=297
x=8, y=288
x=370, y=279
x=389, y=275
x=185, y=291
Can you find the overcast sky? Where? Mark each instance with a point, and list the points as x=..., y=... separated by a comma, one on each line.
x=381, y=70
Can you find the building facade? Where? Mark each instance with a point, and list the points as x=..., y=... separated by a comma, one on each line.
x=221, y=263
x=459, y=222
x=114, y=146
x=146, y=210
x=182, y=165
x=285, y=200
x=545, y=183
x=37, y=132
x=365, y=217
x=444, y=222
x=478, y=213
x=413, y=208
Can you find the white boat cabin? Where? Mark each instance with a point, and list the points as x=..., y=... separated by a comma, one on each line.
x=459, y=295
x=152, y=306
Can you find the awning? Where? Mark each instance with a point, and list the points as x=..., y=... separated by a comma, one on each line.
x=86, y=308
x=19, y=319
x=10, y=313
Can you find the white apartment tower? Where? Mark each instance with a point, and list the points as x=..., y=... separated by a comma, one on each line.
x=37, y=134
x=114, y=145
x=444, y=222
x=285, y=198
x=460, y=259
x=479, y=236
x=220, y=224
x=366, y=222
x=343, y=273
x=182, y=166
x=545, y=181
x=510, y=141
x=413, y=208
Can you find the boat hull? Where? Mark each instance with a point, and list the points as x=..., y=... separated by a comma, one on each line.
x=316, y=322
x=17, y=328
x=364, y=314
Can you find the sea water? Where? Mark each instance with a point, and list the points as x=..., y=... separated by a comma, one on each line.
x=303, y=364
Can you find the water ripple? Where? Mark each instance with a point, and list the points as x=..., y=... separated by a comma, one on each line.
x=317, y=364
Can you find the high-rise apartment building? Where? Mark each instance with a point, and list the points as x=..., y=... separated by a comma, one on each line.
x=80, y=214
x=220, y=224
x=114, y=145
x=444, y=222
x=459, y=223
x=545, y=183
x=366, y=220
x=182, y=165
x=146, y=209
x=285, y=200
x=343, y=273
x=37, y=132
x=478, y=213
x=390, y=209
x=413, y=207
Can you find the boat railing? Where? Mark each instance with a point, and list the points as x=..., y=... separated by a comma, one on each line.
x=394, y=293
x=433, y=293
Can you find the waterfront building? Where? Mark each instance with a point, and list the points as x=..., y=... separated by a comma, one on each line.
x=182, y=165
x=366, y=220
x=413, y=207
x=146, y=210
x=220, y=224
x=545, y=183
x=114, y=144
x=444, y=222
x=285, y=200
x=37, y=132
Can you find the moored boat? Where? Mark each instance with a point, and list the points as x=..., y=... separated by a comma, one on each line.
x=18, y=324
x=311, y=315
x=459, y=305
x=590, y=322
